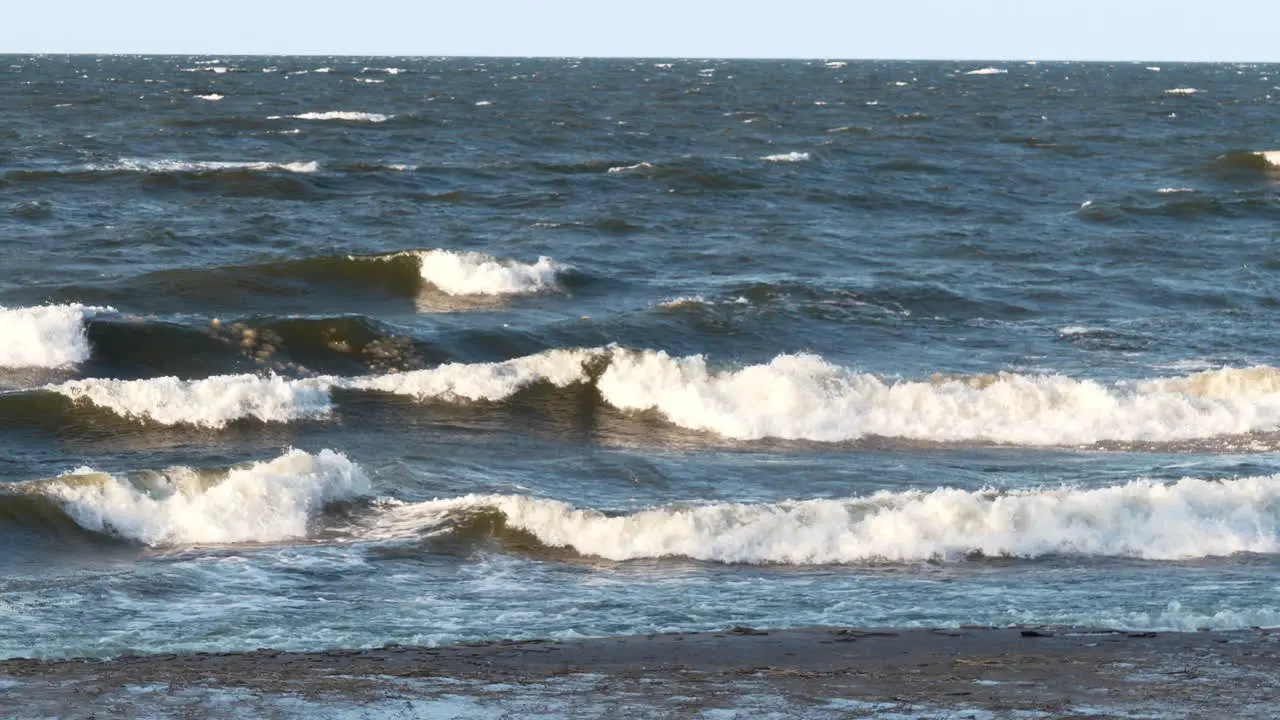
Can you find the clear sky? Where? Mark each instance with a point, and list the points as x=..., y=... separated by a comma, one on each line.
x=961, y=29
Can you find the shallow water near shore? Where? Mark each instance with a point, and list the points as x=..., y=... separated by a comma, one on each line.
x=308, y=353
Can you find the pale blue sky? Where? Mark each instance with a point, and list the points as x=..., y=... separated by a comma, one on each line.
x=960, y=29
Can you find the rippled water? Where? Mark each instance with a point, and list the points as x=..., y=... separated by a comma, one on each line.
x=312, y=352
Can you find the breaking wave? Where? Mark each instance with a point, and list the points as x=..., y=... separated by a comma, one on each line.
x=46, y=336
x=262, y=502
x=797, y=397
x=473, y=273
x=338, y=115
x=1187, y=519
x=212, y=402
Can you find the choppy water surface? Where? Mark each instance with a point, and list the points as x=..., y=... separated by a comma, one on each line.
x=313, y=352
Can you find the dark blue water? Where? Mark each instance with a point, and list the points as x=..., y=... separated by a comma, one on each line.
x=314, y=352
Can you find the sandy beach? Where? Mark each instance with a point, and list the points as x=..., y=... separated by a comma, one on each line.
x=743, y=672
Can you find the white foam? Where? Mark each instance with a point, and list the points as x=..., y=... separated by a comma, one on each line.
x=196, y=166
x=339, y=115
x=805, y=397
x=211, y=98
x=837, y=64
x=210, y=402
x=987, y=71
x=482, y=381
x=46, y=336
x=1272, y=157
x=264, y=502
x=323, y=70
x=791, y=157
x=473, y=273
x=1174, y=190
x=1153, y=68
x=369, y=81
x=628, y=168
x=1190, y=518
x=483, y=103
x=1181, y=91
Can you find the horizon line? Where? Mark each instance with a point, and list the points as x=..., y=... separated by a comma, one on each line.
x=773, y=58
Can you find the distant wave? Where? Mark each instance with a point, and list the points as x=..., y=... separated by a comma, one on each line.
x=1182, y=520
x=166, y=165
x=1181, y=91
x=987, y=71
x=791, y=157
x=343, y=115
x=262, y=502
x=793, y=397
x=213, y=97
x=45, y=336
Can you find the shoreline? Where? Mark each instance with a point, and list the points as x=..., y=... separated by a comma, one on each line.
x=798, y=672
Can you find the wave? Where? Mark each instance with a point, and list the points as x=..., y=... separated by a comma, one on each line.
x=791, y=157
x=1181, y=91
x=212, y=402
x=482, y=381
x=987, y=71
x=1187, y=519
x=168, y=165
x=262, y=502
x=473, y=273
x=343, y=115
x=436, y=279
x=47, y=336
x=804, y=397
x=795, y=397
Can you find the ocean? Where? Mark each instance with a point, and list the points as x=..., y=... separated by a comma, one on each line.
x=333, y=352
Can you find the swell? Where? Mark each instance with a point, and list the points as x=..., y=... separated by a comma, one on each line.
x=432, y=279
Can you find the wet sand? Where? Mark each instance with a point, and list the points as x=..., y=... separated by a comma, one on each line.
x=805, y=672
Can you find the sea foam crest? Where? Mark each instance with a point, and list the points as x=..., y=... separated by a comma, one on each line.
x=46, y=336
x=482, y=381
x=197, y=166
x=1190, y=518
x=804, y=397
x=263, y=502
x=987, y=71
x=211, y=402
x=348, y=116
x=1270, y=157
x=791, y=157
x=473, y=273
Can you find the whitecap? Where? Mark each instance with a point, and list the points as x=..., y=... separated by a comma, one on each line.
x=262, y=502
x=791, y=157
x=1187, y=519
x=473, y=273
x=344, y=115
x=987, y=71
x=212, y=402
x=46, y=336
